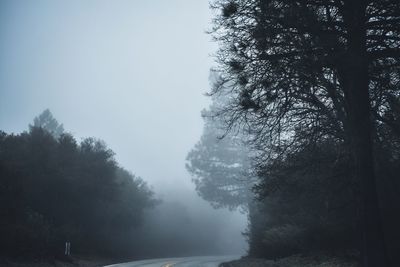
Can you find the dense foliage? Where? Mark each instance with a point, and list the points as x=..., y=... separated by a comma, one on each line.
x=306, y=197
x=314, y=86
x=301, y=73
x=54, y=190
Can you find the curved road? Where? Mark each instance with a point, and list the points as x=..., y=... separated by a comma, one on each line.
x=205, y=261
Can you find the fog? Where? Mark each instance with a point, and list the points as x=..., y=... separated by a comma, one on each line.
x=132, y=73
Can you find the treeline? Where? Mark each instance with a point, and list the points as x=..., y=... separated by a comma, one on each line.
x=55, y=190
x=312, y=90
x=308, y=202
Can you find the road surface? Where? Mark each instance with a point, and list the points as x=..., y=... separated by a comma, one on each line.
x=206, y=261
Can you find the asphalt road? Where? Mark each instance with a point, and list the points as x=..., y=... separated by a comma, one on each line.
x=206, y=261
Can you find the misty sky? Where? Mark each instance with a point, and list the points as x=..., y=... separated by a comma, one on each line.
x=132, y=73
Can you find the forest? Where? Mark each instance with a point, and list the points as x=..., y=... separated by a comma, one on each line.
x=300, y=134
x=56, y=190
x=303, y=131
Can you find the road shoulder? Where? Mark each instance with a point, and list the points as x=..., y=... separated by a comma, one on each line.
x=293, y=261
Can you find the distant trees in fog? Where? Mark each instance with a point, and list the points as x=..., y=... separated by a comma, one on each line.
x=54, y=189
x=220, y=164
x=46, y=121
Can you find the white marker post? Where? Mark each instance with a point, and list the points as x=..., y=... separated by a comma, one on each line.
x=67, y=248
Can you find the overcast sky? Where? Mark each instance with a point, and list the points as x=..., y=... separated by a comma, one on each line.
x=132, y=73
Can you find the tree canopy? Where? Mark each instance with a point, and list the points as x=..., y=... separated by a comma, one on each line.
x=54, y=190
x=46, y=121
x=303, y=73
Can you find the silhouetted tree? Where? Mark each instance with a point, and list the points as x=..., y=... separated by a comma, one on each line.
x=304, y=71
x=54, y=190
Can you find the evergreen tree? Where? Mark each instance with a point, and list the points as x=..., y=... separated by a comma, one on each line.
x=46, y=121
x=303, y=71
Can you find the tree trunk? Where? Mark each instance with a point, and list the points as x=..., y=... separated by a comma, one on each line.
x=356, y=85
